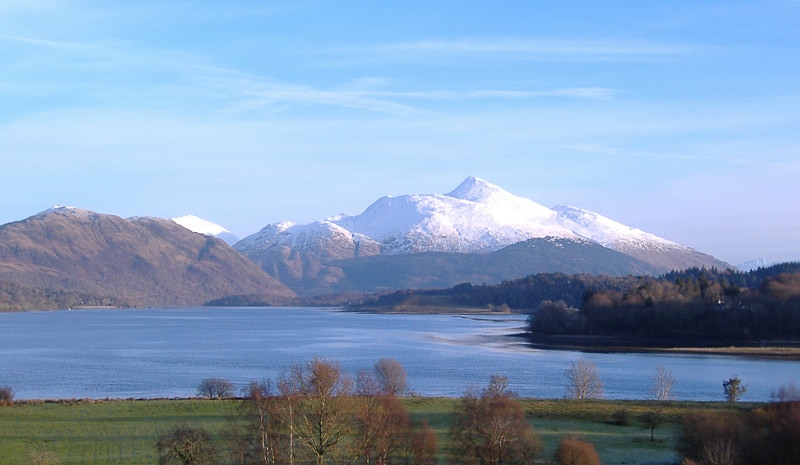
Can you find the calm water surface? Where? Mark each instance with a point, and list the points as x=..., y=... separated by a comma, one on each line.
x=167, y=352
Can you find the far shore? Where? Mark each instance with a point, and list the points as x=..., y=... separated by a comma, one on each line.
x=790, y=351
x=768, y=350
x=430, y=310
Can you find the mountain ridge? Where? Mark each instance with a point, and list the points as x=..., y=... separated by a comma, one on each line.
x=140, y=261
x=476, y=217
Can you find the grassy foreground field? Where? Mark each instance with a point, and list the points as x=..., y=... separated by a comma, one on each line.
x=124, y=432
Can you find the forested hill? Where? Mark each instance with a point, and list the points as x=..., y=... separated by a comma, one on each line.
x=522, y=295
x=697, y=304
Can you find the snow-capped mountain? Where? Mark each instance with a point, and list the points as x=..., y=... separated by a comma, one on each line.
x=205, y=227
x=476, y=217
x=327, y=238
x=754, y=264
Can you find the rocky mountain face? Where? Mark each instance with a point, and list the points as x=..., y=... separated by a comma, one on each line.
x=138, y=261
x=422, y=240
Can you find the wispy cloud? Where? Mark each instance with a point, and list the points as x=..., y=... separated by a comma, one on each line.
x=257, y=93
x=47, y=43
x=531, y=49
x=599, y=93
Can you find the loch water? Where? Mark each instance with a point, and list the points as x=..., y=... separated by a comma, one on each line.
x=165, y=353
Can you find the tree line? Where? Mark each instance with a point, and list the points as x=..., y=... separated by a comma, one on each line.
x=17, y=297
x=317, y=414
x=696, y=305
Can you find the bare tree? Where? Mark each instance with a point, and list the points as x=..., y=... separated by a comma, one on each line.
x=290, y=389
x=383, y=425
x=492, y=429
x=392, y=376
x=424, y=444
x=651, y=420
x=263, y=438
x=186, y=445
x=786, y=393
x=661, y=384
x=733, y=388
x=216, y=388
x=323, y=415
x=583, y=380
x=6, y=395
x=497, y=387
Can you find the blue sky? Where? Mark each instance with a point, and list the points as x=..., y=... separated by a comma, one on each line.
x=681, y=118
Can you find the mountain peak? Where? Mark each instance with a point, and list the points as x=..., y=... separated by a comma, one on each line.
x=67, y=210
x=475, y=190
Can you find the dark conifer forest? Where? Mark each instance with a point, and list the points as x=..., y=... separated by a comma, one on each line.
x=695, y=305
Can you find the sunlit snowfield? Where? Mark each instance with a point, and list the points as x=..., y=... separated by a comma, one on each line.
x=167, y=352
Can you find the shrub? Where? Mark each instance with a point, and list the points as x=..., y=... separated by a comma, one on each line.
x=707, y=438
x=575, y=451
x=186, y=445
x=621, y=418
x=6, y=395
x=776, y=435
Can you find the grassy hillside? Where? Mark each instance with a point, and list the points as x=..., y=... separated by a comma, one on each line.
x=125, y=432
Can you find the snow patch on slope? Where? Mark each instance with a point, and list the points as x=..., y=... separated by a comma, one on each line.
x=754, y=264
x=610, y=233
x=205, y=227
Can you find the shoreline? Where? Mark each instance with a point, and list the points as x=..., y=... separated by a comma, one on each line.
x=598, y=344
x=789, y=352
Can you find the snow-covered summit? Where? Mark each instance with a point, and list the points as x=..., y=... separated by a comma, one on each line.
x=476, y=217
x=67, y=210
x=201, y=226
x=477, y=190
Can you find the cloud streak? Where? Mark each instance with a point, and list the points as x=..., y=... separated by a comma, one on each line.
x=529, y=49
x=254, y=92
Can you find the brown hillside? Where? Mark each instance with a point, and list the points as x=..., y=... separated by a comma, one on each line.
x=146, y=261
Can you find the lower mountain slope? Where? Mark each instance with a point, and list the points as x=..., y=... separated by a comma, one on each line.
x=478, y=233
x=138, y=261
x=377, y=273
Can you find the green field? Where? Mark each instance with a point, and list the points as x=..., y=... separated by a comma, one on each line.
x=125, y=432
